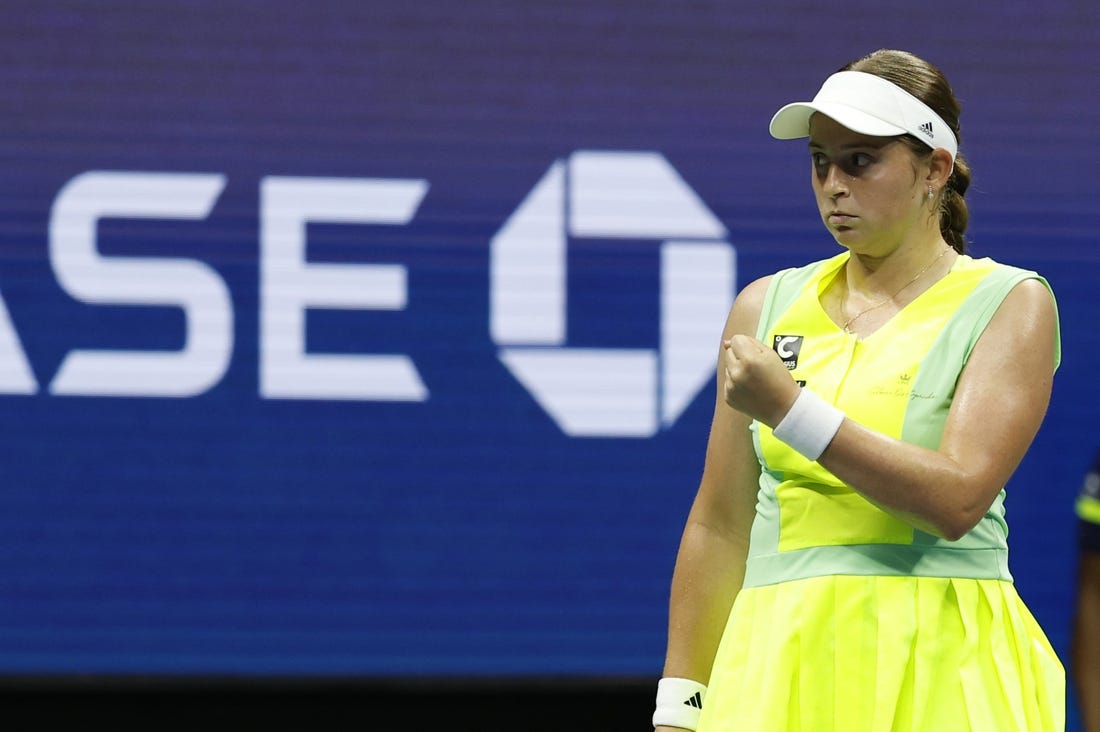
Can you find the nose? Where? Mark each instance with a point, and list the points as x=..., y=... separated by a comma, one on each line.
x=835, y=183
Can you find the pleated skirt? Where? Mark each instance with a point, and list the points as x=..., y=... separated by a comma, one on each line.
x=884, y=654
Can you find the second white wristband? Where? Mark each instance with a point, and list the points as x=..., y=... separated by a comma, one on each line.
x=679, y=702
x=810, y=424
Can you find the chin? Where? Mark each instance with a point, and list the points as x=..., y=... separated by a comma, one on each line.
x=844, y=237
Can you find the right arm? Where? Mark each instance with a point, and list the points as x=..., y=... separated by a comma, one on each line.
x=1086, y=640
x=710, y=563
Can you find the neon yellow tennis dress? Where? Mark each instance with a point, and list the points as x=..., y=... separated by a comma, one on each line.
x=851, y=620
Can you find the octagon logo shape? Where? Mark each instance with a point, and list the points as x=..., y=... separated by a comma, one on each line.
x=612, y=392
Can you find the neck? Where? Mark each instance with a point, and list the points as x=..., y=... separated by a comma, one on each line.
x=871, y=276
x=897, y=287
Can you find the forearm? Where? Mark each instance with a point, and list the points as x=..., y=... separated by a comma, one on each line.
x=1086, y=642
x=1086, y=672
x=709, y=570
x=925, y=488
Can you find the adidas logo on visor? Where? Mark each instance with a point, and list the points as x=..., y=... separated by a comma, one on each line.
x=926, y=128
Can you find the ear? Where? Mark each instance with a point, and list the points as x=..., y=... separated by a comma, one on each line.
x=940, y=166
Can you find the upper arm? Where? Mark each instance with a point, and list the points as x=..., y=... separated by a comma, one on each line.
x=731, y=472
x=1004, y=390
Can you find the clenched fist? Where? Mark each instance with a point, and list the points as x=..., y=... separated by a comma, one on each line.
x=756, y=382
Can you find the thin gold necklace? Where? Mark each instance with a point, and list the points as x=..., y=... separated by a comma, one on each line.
x=897, y=292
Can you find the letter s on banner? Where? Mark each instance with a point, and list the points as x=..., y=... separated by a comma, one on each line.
x=92, y=278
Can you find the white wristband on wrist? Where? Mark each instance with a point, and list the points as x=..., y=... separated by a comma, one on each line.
x=810, y=425
x=679, y=702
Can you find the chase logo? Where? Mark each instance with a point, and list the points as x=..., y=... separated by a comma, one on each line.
x=610, y=392
x=600, y=195
x=788, y=346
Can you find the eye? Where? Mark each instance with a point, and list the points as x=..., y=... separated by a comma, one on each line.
x=852, y=163
x=861, y=160
x=856, y=164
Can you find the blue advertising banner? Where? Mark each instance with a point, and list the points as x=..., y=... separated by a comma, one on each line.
x=369, y=338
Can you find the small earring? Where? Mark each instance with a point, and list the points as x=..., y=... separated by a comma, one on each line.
x=931, y=193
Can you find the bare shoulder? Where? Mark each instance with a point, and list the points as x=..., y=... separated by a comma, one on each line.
x=745, y=313
x=1033, y=293
x=1028, y=307
x=1023, y=334
x=754, y=291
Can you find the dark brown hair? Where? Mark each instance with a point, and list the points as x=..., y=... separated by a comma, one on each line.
x=928, y=84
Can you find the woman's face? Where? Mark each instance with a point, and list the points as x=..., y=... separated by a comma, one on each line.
x=868, y=191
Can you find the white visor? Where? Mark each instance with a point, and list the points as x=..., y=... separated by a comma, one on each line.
x=869, y=105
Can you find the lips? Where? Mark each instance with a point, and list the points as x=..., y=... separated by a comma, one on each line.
x=839, y=218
